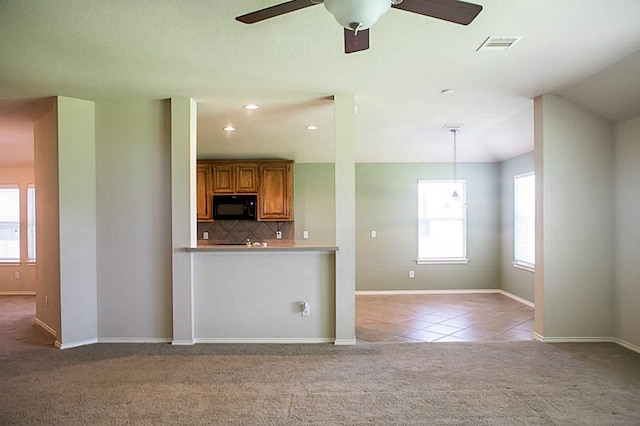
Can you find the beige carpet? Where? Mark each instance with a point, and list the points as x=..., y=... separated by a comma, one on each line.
x=510, y=383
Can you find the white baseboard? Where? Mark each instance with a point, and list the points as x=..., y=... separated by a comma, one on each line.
x=45, y=328
x=390, y=292
x=17, y=293
x=594, y=339
x=467, y=291
x=517, y=298
x=344, y=342
x=615, y=340
x=134, y=340
x=183, y=342
x=270, y=340
x=627, y=345
x=76, y=344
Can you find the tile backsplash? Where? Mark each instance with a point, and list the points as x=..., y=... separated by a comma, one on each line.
x=237, y=231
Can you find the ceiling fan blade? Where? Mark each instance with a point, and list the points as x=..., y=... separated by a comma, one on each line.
x=355, y=42
x=455, y=11
x=273, y=11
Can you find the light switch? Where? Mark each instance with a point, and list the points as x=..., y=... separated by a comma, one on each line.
x=373, y=234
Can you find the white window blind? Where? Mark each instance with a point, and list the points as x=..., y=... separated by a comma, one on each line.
x=442, y=225
x=31, y=223
x=9, y=223
x=524, y=229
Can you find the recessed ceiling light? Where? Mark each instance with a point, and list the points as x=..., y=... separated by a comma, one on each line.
x=312, y=127
x=229, y=128
x=447, y=91
x=251, y=106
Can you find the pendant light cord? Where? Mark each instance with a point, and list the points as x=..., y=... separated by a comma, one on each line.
x=455, y=174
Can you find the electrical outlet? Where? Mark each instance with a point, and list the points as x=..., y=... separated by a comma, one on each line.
x=373, y=234
x=412, y=274
x=305, y=308
x=205, y=235
x=305, y=234
x=16, y=275
x=278, y=235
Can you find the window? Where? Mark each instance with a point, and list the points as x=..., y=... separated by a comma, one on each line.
x=524, y=221
x=9, y=224
x=31, y=223
x=442, y=225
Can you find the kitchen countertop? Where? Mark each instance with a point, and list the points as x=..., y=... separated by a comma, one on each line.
x=224, y=248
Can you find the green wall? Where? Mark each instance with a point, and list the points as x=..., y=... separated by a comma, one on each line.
x=514, y=280
x=387, y=203
x=314, y=202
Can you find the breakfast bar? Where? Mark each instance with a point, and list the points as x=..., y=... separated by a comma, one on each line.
x=256, y=294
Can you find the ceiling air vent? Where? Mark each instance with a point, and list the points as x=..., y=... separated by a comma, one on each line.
x=494, y=44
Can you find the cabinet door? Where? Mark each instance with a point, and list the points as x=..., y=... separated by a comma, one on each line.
x=223, y=178
x=246, y=177
x=275, y=192
x=203, y=191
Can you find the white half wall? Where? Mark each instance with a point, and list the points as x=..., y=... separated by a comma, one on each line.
x=255, y=296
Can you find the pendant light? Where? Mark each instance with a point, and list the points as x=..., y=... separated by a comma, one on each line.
x=455, y=200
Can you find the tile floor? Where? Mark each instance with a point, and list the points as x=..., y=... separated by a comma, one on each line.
x=442, y=318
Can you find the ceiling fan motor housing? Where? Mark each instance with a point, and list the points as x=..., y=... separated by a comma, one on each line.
x=361, y=13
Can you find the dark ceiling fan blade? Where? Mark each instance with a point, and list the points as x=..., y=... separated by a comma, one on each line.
x=455, y=11
x=355, y=42
x=273, y=11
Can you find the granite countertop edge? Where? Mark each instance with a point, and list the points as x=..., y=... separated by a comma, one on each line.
x=221, y=248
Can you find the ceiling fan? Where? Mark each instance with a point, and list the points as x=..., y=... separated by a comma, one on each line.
x=357, y=16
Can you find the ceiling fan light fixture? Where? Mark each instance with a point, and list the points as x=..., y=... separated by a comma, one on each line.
x=357, y=15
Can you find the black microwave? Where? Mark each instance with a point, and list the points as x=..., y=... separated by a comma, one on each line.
x=234, y=207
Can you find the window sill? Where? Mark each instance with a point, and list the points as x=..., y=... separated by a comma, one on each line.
x=524, y=266
x=456, y=261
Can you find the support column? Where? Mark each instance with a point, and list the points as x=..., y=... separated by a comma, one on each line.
x=183, y=218
x=574, y=278
x=77, y=222
x=345, y=196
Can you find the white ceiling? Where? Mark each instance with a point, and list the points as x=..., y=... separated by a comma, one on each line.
x=585, y=50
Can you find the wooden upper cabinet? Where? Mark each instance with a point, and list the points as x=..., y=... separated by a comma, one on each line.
x=271, y=180
x=223, y=178
x=203, y=191
x=275, y=196
x=247, y=177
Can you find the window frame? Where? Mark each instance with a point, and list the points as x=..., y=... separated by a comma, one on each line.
x=31, y=226
x=444, y=260
x=522, y=263
x=18, y=260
